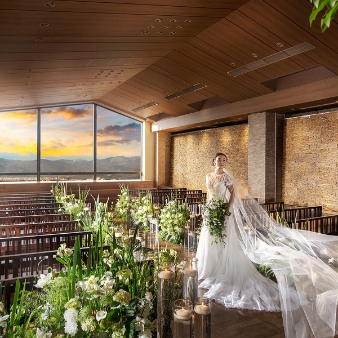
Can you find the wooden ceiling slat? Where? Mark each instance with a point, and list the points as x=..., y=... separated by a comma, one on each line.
x=212, y=62
x=204, y=74
x=169, y=68
x=291, y=32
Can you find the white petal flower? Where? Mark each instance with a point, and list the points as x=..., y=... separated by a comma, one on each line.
x=42, y=334
x=3, y=322
x=101, y=315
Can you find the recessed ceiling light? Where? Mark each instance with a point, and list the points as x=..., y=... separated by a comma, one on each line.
x=166, y=27
x=188, y=21
x=145, y=32
x=280, y=44
x=179, y=27
x=39, y=40
x=173, y=20
x=233, y=64
x=50, y=4
x=44, y=24
x=158, y=20
x=172, y=32
x=159, y=33
x=254, y=55
x=151, y=26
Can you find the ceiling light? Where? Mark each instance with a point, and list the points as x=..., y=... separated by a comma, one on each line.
x=39, y=40
x=254, y=55
x=158, y=32
x=179, y=27
x=280, y=44
x=44, y=24
x=158, y=20
x=286, y=53
x=165, y=27
x=233, y=64
x=50, y=4
x=145, y=106
x=151, y=26
x=145, y=32
x=193, y=88
x=187, y=21
x=173, y=20
x=172, y=32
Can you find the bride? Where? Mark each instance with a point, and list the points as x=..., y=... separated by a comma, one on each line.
x=307, y=285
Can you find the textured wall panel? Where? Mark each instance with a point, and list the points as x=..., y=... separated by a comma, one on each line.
x=310, y=171
x=192, y=155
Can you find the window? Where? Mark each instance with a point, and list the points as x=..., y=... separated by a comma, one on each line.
x=18, y=145
x=66, y=146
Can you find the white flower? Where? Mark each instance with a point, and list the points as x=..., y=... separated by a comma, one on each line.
x=101, y=315
x=149, y=296
x=331, y=260
x=71, y=328
x=44, y=280
x=3, y=322
x=42, y=334
x=70, y=315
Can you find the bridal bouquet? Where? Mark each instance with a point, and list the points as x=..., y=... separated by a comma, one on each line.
x=215, y=212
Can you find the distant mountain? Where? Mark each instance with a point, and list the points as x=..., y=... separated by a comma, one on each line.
x=114, y=163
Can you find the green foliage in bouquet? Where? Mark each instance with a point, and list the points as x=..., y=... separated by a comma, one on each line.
x=173, y=219
x=142, y=210
x=215, y=213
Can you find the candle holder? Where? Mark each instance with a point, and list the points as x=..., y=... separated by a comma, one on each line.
x=190, y=281
x=182, y=323
x=202, y=318
x=165, y=298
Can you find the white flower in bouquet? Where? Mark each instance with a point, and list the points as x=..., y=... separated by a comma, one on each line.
x=123, y=297
x=3, y=321
x=101, y=315
x=43, y=280
x=42, y=334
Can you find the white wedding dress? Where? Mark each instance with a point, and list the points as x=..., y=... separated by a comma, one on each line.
x=307, y=286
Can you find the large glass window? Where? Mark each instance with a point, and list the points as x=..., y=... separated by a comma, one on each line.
x=67, y=145
x=18, y=145
x=67, y=140
x=118, y=146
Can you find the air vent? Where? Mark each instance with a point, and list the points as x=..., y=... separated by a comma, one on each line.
x=193, y=88
x=285, y=54
x=145, y=106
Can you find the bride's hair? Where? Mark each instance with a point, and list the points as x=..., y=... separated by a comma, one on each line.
x=218, y=154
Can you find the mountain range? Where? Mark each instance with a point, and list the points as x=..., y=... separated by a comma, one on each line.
x=114, y=163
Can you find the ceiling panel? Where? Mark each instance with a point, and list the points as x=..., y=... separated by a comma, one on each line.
x=126, y=54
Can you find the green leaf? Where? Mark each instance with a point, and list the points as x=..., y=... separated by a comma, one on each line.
x=315, y=11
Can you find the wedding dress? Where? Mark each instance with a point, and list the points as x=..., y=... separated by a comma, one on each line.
x=307, y=285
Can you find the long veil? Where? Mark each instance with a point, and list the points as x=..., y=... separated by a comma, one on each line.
x=307, y=283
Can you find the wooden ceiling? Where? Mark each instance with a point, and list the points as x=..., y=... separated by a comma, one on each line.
x=126, y=55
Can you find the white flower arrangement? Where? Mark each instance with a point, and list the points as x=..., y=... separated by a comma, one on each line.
x=173, y=219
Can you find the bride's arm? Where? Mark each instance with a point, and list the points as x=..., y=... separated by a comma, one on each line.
x=232, y=195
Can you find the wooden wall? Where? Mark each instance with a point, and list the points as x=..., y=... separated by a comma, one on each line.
x=310, y=171
x=192, y=154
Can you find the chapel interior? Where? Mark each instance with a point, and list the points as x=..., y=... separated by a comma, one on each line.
x=249, y=78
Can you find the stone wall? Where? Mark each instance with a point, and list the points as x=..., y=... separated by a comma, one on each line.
x=310, y=170
x=192, y=154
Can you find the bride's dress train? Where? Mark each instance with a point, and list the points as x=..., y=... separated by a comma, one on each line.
x=307, y=286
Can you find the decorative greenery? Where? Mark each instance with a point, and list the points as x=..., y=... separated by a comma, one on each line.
x=112, y=298
x=173, y=219
x=331, y=7
x=266, y=271
x=123, y=207
x=215, y=212
x=142, y=210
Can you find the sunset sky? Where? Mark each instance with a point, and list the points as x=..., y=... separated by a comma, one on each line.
x=67, y=132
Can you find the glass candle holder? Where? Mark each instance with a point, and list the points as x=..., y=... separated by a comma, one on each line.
x=165, y=298
x=190, y=281
x=202, y=318
x=182, y=323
